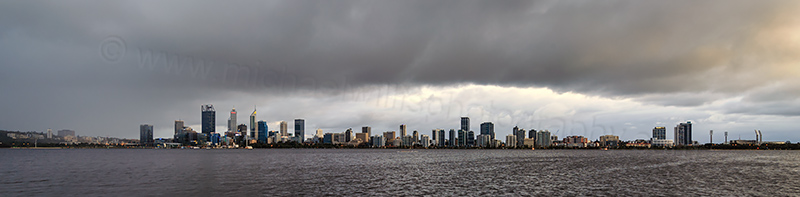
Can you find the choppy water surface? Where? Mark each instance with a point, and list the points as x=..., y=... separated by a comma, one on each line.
x=368, y=172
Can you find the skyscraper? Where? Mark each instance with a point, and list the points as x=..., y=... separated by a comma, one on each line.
x=683, y=134
x=320, y=134
x=178, y=127
x=367, y=130
x=403, y=130
x=299, y=130
x=262, y=131
x=462, y=138
x=465, y=124
x=470, y=138
x=520, y=136
x=348, y=135
x=49, y=133
x=209, y=119
x=416, y=136
x=284, y=128
x=232, y=121
x=660, y=133
x=253, y=126
x=452, y=142
x=487, y=128
x=440, y=137
x=146, y=135
x=543, y=139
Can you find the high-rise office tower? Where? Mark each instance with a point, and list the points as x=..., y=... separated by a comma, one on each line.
x=49, y=133
x=262, y=131
x=146, y=135
x=253, y=126
x=520, y=136
x=465, y=124
x=320, y=134
x=348, y=135
x=403, y=130
x=416, y=136
x=209, y=119
x=487, y=128
x=284, y=128
x=299, y=130
x=453, y=140
x=367, y=130
x=232, y=121
x=683, y=134
x=532, y=134
x=660, y=133
x=178, y=127
x=470, y=138
x=462, y=138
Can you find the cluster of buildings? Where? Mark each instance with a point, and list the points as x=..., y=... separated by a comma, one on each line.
x=63, y=137
x=238, y=135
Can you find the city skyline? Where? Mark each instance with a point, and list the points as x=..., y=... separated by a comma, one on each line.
x=586, y=68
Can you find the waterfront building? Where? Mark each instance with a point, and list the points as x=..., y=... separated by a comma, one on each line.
x=209, y=119
x=416, y=136
x=462, y=138
x=520, y=136
x=683, y=134
x=319, y=133
x=299, y=130
x=660, y=133
x=543, y=138
x=284, y=128
x=661, y=142
x=487, y=128
x=609, y=140
x=262, y=131
x=378, y=141
x=367, y=130
x=425, y=141
x=470, y=138
x=511, y=141
x=49, y=133
x=348, y=135
x=232, y=121
x=327, y=138
x=389, y=137
x=453, y=136
x=363, y=137
x=146, y=135
x=178, y=127
x=465, y=124
x=576, y=141
x=66, y=132
x=253, y=125
x=529, y=142
x=403, y=130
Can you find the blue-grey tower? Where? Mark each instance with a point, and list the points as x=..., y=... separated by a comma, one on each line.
x=299, y=129
x=487, y=128
x=208, y=118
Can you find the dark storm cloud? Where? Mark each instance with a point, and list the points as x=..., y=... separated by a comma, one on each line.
x=606, y=47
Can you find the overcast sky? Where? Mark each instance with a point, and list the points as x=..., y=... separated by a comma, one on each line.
x=587, y=68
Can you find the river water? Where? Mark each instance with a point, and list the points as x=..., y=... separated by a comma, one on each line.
x=393, y=172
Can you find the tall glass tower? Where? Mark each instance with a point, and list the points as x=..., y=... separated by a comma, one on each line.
x=299, y=129
x=253, y=126
x=465, y=124
x=208, y=118
x=487, y=128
